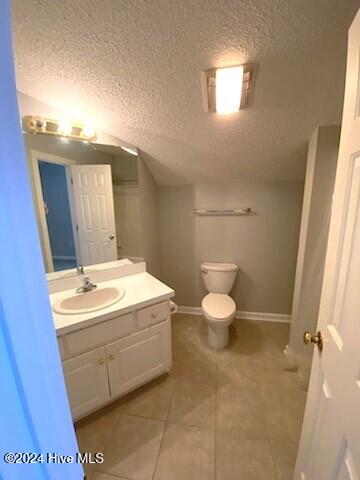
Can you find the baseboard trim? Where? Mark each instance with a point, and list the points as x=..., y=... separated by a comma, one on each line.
x=190, y=310
x=258, y=316
x=264, y=317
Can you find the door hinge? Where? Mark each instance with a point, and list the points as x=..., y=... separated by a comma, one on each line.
x=77, y=227
x=72, y=181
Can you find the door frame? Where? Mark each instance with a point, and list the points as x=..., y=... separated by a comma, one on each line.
x=36, y=156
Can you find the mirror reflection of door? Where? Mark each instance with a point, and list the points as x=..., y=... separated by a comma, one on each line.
x=79, y=212
x=92, y=210
x=57, y=212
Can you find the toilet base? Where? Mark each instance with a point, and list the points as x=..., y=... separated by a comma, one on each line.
x=218, y=337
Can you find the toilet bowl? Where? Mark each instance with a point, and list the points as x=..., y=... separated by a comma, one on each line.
x=217, y=306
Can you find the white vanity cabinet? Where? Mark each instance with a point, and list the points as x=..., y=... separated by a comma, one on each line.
x=104, y=361
x=134, y=360
x=87, y=383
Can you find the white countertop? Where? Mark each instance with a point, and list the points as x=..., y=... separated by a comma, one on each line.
x=141, y=290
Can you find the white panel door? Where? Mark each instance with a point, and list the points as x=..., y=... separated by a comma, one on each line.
x=330, y=441
x=92, y=207
x=138, y=358
x=86, y=381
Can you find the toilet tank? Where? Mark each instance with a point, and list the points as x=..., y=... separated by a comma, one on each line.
x=218, y=277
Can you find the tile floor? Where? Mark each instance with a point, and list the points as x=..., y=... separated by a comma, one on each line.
x=229, y=415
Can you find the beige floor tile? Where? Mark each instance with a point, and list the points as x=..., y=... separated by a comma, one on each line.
x=106, y=476
x=187, y=453
x=235, y=368
x=193, y=404
x=92, y=434
x=238, y=410
x=270, y=358
x=195, y=366
x=152, y=400
x=283, y=404
x=242, y=459
x=133, y=448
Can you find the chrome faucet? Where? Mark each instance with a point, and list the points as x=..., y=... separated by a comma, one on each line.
x=80, y=269
x=87, y=286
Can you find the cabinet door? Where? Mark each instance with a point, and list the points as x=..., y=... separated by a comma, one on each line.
x=86, y=382
x=136, y=359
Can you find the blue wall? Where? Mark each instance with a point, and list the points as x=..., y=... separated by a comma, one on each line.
x=55, y=193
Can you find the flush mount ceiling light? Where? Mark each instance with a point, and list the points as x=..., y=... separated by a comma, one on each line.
x=227, y=90
x=62, y=128
x=228, y=87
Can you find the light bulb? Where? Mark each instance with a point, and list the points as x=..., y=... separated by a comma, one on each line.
x=64, y=127
x=228, y=89
x=89, y=130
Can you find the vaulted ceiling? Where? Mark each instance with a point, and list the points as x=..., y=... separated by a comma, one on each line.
x=133, y=67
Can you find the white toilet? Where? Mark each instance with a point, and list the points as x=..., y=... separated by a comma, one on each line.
x=218, y=308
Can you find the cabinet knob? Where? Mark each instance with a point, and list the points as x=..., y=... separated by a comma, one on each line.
x=101, y=361
x=111, y=356
x=154, y=315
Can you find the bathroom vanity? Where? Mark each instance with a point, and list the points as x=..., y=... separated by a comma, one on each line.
x=111, y=350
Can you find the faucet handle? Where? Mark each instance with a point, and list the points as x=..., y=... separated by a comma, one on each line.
x=80, y=269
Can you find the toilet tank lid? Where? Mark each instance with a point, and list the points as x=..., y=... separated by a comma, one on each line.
x=219, y=267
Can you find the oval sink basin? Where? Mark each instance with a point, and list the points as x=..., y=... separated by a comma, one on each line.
x=89, y=301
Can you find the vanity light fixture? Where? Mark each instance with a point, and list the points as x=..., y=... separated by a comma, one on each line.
x=228, y=90
x=62, y=128
x=65, y=127
x=130, y=150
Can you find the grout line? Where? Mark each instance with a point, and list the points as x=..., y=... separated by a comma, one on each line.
x=112, y=475
x=163, y=434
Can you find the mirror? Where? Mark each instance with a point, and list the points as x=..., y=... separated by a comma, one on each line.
x=87, y=202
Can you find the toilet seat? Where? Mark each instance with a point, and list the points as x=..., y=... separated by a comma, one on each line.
x=218, y=307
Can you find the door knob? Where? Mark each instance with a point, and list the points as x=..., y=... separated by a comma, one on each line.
x=111, y=236
x=111, y=356
x=317, y=339
x=101, y=361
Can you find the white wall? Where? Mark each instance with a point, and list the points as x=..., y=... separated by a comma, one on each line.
x=177, y=242
x=263, y=245
x=319, y=185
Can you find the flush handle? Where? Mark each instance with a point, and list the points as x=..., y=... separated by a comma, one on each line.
x=317, y=339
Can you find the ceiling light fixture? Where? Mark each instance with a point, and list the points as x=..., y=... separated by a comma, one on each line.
x=229, y=89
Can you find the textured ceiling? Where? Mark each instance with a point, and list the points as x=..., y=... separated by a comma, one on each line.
x=134, y=67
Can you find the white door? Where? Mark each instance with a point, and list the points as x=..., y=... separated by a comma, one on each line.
x=92, y=210
x=86, y=381
x=330, y=441
x=134, y=360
